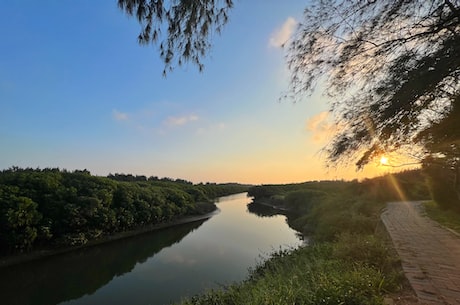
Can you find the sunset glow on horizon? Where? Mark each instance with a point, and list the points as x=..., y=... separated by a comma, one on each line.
x=89, y=97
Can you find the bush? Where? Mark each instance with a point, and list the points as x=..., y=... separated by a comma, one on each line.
x=336, y=214
x=441, y=183
x=303, y=201
x=367, y=249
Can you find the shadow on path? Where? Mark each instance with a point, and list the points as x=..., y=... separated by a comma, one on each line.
x=430, y=254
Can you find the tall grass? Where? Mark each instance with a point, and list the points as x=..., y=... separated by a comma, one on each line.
x=448, y=218
x=355, y=269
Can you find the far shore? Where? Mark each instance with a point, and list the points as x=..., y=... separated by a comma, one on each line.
x=271, y=205
x=39, y=254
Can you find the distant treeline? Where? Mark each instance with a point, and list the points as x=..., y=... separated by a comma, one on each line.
x=43, y=208
x=325, y=209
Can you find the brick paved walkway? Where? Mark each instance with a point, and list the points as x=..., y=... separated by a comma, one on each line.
x=430, y=254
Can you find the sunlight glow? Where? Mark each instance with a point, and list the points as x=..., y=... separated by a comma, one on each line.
x=397, y=188
x=384, y=160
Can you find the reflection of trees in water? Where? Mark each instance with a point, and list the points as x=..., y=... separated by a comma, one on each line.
x=72, y=275
x=263, y=210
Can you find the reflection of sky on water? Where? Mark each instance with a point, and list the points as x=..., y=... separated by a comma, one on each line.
x=219, y=252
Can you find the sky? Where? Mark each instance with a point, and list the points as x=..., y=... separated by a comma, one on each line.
x=78, y=92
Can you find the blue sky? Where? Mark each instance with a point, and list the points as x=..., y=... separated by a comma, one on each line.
x=77, y=91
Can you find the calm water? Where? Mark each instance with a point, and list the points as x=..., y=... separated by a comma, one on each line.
x=156, y=268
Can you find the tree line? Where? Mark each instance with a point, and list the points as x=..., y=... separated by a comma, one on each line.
x=43, y=208
x=322, y=210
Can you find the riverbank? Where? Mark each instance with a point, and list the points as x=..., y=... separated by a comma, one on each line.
x=349, y=259
x=40, y=254
x=356, y=269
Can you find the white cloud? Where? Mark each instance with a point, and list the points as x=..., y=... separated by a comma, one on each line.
x=120, y=116
x=314, y=122
x=281, y=35
x=321, y=127
x=180, y=120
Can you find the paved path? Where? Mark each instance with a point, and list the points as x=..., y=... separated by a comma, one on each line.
x=430, y=254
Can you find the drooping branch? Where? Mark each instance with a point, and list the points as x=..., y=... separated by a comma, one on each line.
x=391, y=67
x=182, y=29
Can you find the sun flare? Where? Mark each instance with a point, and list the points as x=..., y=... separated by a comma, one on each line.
x=384, y=160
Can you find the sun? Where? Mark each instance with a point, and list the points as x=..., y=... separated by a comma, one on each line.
x=384, y=160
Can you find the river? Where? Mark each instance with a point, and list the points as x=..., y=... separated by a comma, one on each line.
x=155, y=268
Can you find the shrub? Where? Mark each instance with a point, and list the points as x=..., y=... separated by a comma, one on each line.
x=303, y=201
x=441, y=183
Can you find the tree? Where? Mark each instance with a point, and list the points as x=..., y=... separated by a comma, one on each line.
x=20, y=223
x=391, y=67
x=182, y=28
x=442, y=139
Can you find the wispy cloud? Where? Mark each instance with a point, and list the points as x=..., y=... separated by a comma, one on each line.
x=119, y=116
x=281, y=35
x=173, y=121
x=317, y=121
x=321, y=127
x=155, y=120
x=211, y=128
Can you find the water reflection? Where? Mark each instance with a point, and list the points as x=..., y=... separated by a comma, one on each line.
x=73, y=275
x=262, y=210
x=154, y=268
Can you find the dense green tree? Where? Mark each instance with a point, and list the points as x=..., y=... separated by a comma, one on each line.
x=19, y=220
x=51, y=207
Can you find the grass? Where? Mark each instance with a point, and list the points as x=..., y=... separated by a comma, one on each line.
x=356, y=269
x=447, y=218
